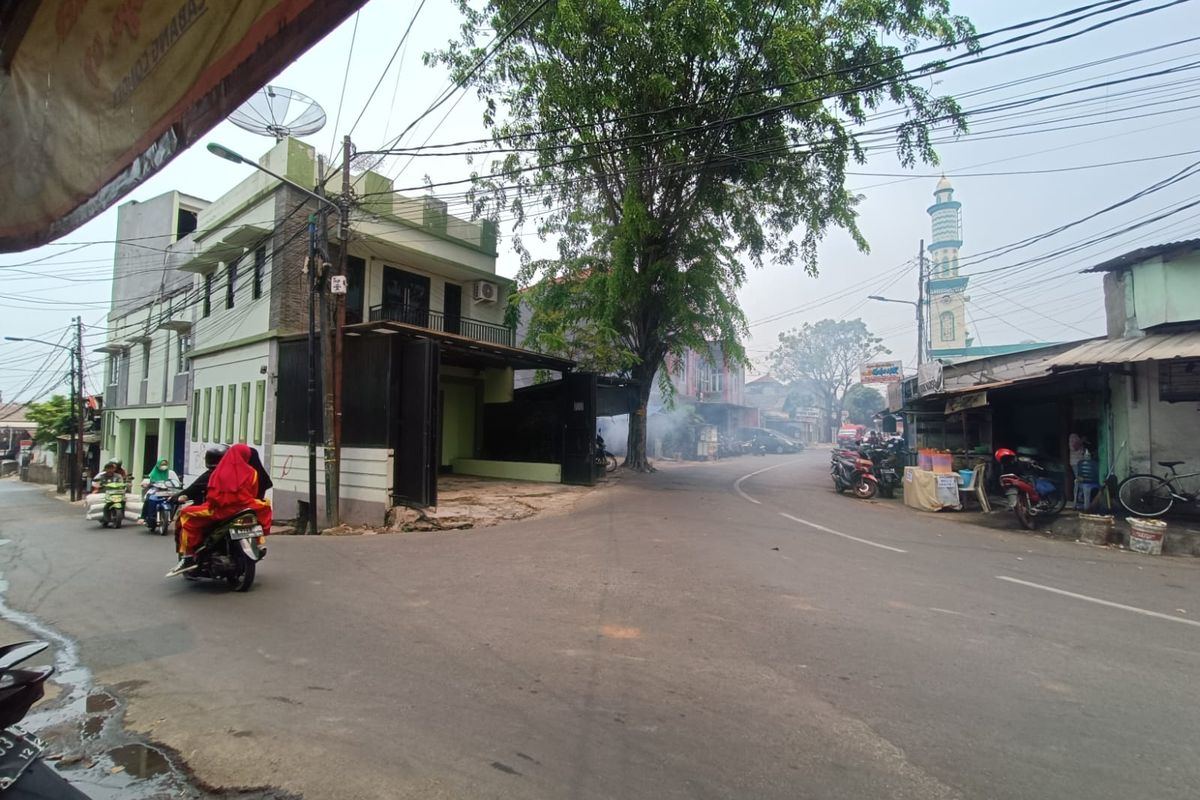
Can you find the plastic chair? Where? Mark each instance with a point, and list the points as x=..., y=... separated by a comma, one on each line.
x=975, y=487
x=1085, y=494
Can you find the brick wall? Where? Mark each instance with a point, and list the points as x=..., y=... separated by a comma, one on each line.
x=289, y=284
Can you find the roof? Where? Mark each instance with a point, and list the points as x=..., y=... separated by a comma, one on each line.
x=12, y=415
x=1145, y=254
x=943, y=184
x=1154, y=347
x=764, y=380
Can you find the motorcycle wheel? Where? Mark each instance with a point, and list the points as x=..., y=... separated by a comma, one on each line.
x=164, y=522
x=838, y=486
x=865, y=490
x=244, y=579
x=610, y=462
x=1052, y=504
x=1021, y=507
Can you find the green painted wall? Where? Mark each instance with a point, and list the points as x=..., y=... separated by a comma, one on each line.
x=498, y=385
x=510, y=470
x=458, y=421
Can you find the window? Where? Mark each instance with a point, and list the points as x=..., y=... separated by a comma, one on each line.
x=260, y=263
x=196, y=415
x=231, y=417
x=244, y=428
x=208, y=282
x=710, y=378
x=185, y=223
x=356, y=271
x=218, y=409
x=946, y=321
x=185, y=347
x=260, y=400
x=1179, y=380
x=230, y=283
x=207, y=415
x=145, y=360
x=114, y=369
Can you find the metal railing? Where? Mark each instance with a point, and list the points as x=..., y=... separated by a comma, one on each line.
x=437, y=321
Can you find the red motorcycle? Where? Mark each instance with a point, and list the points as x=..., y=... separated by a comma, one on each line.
x=850, y=470
x=1029, y=495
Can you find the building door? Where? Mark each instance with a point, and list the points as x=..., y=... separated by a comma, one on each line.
x=149, y=456
x=579, y=429
x=405, y=297
x=452, y=306
x=179, y=450
x=415, y=464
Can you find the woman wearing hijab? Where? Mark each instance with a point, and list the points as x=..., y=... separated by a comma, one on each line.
x=234, y=486
x=161, y=474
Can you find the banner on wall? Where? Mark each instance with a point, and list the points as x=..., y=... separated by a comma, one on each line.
x=98, y=95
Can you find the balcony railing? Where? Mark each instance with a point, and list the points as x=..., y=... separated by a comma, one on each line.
x=438, y=321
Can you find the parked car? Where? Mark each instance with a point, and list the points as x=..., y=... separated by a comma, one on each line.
x=765, y=440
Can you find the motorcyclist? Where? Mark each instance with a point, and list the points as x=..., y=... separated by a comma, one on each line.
x=236, y=484
x=153, y=488
x=197, y=492
x=108, y=475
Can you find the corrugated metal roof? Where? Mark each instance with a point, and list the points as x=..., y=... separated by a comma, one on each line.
x=1155, y=347
x=1145, y=254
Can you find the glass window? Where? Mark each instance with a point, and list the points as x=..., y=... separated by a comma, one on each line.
x=946, y=319
x=218, y=408
x=230, y=283
x=207, y=306
x=245, y=418
x=185, y=347
x=260, y=262
x=260, y=401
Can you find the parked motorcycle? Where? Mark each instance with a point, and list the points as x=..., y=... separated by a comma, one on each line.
x=1029, y=495
x=850, y=470
x=114, y=504
x=23, y=774
x=887, y=459
x=159, y=495
x=230, y=552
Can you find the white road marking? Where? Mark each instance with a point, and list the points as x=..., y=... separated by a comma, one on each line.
x=843, y=535
x=1144, y=612
x=737, y=485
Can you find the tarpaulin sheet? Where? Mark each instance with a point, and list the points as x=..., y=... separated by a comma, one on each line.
x=930, y=491
x=100, y=94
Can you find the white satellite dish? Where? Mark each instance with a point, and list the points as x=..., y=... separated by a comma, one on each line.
x=279, y=112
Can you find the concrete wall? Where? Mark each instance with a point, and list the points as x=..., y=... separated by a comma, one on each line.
x=460, y=419
x=247, y=370
x=366, y=482
x=1167, y=292
x=144, y=231
x=509, y=470
x=485, y=312
x=1151, y=430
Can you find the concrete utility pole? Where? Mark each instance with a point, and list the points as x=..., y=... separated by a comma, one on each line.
x=333, y=465
x=921, y=304
x=78, y=401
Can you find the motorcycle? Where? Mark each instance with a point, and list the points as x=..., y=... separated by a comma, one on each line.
x=1030, y=496
x=230, y=552
x=887, y=464
x=114, y=504
x=850, y=470
x=162, y=493
x=23, y=774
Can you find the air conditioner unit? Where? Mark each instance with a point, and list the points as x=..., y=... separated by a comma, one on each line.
x=485, y=292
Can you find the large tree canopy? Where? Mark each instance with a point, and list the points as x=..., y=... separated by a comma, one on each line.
x=827, y=357
x=53, y=418
x=668, y=145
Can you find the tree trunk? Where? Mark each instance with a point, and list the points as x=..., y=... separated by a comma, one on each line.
x=635, y=448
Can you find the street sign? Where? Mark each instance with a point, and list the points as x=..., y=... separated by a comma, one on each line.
x=929, y=379
x=882, y=372
x=337, y=284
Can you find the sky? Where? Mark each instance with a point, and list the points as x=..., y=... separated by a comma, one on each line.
x=1015, y=178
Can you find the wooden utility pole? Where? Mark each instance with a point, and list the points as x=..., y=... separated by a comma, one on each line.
x=921, y=304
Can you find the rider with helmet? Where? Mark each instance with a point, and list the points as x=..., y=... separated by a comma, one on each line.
x=198, y=490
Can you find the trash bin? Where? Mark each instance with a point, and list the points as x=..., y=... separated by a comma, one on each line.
x=1146, y=535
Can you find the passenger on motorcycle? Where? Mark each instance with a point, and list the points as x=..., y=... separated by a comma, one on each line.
x=237, y=484
x=159, y=478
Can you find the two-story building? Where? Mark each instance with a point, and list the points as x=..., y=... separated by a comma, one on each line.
x=427, y=362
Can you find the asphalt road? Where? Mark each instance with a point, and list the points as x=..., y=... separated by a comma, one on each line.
x=681, y=635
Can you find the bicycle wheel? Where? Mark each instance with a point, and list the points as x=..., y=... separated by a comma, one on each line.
x=1145, y=495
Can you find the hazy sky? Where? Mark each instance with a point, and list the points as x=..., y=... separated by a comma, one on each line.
x=1044, y=302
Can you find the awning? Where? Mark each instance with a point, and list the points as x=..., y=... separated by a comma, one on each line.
x=1154, y=347
x=464, y=351
x=112, y=347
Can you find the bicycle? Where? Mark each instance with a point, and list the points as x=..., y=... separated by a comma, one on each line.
x=1147, y=495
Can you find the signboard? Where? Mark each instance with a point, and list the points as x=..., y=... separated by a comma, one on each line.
x=964, y=401
x=101, y=94
x=895, y=396
x=929, y=379
x=882, y=372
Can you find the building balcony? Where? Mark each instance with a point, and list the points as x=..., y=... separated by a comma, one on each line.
x=437, y=321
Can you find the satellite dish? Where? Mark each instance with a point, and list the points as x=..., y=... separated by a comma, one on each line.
x=279, y=112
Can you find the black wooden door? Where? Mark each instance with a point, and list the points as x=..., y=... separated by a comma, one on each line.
x=416, y=445
x=452, y=306
x=405, y=297
x=579, y=434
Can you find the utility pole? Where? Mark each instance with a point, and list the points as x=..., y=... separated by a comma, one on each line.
x=313, y=414
x=333, y=461
x=73, y=463
x=79, y=401
x=921, y=304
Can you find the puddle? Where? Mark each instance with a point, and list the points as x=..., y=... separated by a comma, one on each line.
x=140, y=761
x=100, y=702
x=93, y=727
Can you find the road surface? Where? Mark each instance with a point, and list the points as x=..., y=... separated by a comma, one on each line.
x=702, y=632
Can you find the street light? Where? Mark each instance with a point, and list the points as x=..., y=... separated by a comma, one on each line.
x=920, y=321
x=224, y=152
x=76, y=409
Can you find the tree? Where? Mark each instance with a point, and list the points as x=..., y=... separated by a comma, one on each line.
x=53, y=418
x=862, y=403
x=827, y=356
x=669, y=145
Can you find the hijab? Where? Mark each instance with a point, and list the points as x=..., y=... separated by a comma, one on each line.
x=264, y=480
x=233, y=480
x=160, y=473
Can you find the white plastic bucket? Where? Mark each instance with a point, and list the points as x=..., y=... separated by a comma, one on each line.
x=1146, y=535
